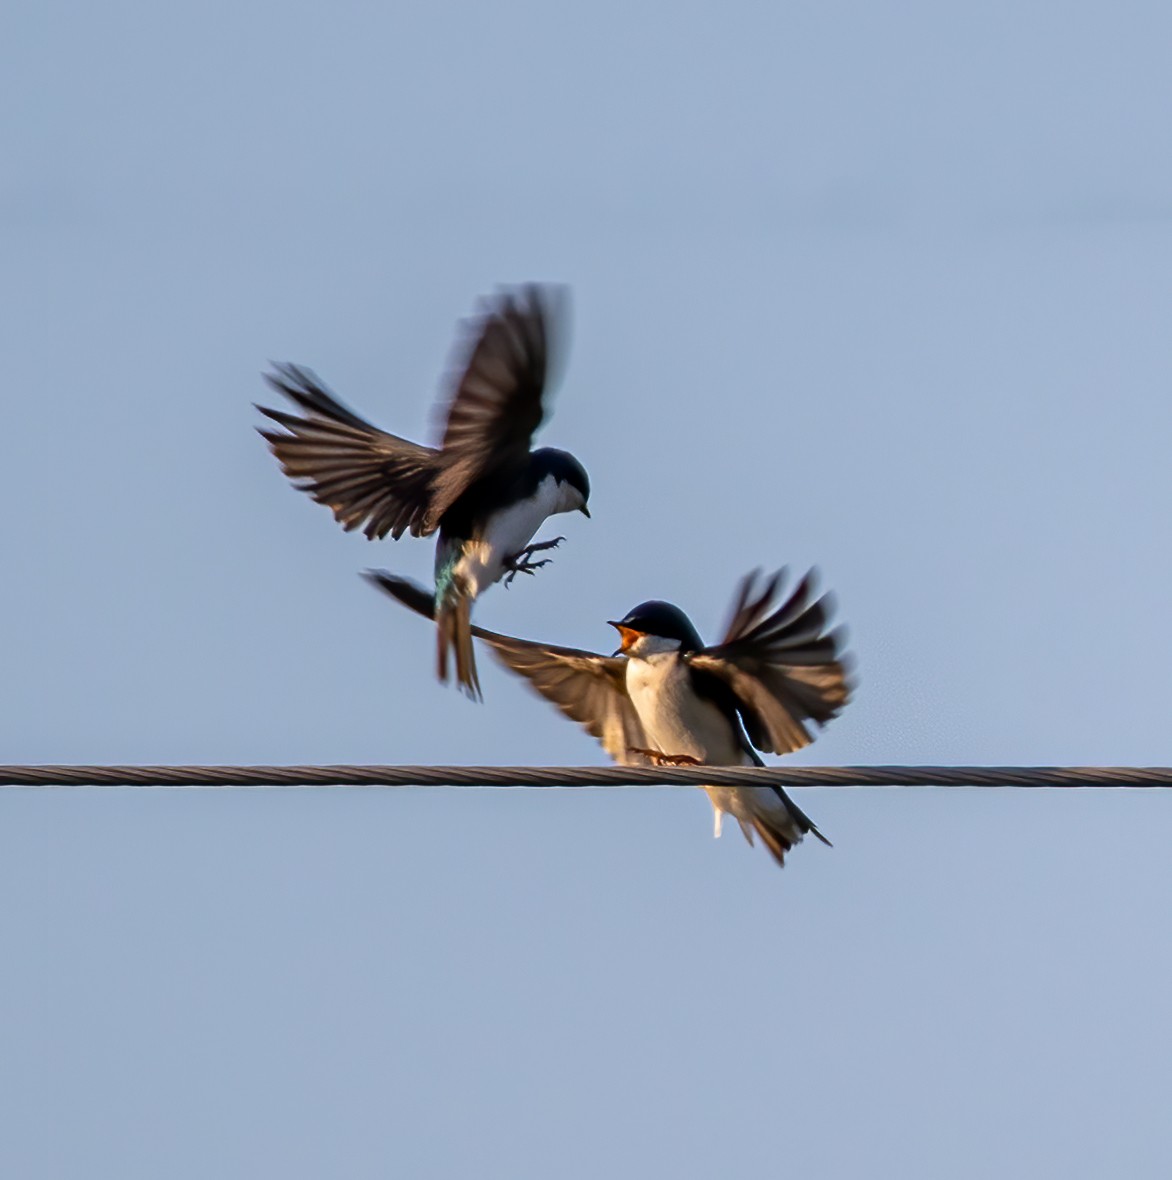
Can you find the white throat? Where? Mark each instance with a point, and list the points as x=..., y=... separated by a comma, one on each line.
x=647, y=646
x=567, y=498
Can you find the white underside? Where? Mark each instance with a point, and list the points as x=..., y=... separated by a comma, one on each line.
x=505, y=534
x=676, y=721
x=674, y=718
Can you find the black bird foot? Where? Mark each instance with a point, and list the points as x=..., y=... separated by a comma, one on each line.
x=539, y=547
x=520, y=563
x=662, y=759
x=522, y=567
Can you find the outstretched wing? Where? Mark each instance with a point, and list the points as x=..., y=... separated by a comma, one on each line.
x=588, y=688
x=497, y=403
x=787, y=670
x=368, y=478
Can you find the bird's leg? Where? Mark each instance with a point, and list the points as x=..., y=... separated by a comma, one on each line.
x=662, y=759
x=717, y=817
x=519, y=563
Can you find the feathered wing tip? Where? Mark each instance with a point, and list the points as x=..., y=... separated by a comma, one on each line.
x=744, y=614
x=518, y=333
x=368, y=479
x=410, y=594
x=454, y=629
x=454, y=636
x=787, y=665
x=306, y=390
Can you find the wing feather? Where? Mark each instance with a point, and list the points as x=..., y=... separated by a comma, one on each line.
x=497, y=403
x=789, y=673
x=369, y=479
x=588, y=688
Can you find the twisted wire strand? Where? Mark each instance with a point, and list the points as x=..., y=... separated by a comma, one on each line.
x=207, y=777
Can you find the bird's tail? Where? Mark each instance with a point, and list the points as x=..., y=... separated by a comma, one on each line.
x=780, y=828
x=453, y=619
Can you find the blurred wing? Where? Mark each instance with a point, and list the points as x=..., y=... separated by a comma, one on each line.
x=368, y=478
x=588, y=688
x=497, y=404
x=786, y=669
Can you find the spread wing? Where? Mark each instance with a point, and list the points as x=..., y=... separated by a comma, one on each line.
x=787, y=670
x=497, y=403
x=368, y=478
x=588, y=688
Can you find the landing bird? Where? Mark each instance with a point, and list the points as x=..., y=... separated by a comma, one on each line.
x=482, y=488
x=665, y=698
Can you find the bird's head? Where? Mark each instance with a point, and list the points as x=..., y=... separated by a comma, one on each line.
x=573, y=483
x=654, y=627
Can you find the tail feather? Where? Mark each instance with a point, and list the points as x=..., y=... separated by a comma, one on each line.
x=453, y=619
x=780, y=831
x=454, y=636
x=776, y=838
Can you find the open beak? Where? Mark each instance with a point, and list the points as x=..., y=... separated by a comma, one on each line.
x=585, y=511
x=628, y=636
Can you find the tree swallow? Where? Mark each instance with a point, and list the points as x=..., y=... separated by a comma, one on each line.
x=665, y=698
x=482, y=488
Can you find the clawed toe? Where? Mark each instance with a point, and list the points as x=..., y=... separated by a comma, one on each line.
x=522, y=558
x=520, y=563
x=540, y=546
x=662, y=759
x=517, y=566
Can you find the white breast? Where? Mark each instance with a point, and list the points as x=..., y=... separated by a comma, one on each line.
x=676, y=721
x=504, y=535
x=674, y=718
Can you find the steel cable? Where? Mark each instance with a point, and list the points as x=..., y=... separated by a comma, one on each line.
x=204, y=777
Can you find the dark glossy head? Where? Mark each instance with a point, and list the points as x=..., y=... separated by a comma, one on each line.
x=661, y=620
x=565, y=469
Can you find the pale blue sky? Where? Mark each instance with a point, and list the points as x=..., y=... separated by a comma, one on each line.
x=882, y=287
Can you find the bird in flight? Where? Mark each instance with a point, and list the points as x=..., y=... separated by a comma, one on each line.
x=666, y=698
x=482, y=488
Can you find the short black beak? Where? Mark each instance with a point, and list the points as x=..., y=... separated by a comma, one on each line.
x=585, y=511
